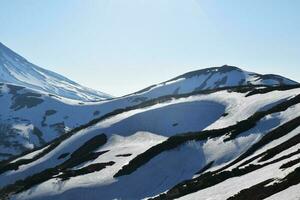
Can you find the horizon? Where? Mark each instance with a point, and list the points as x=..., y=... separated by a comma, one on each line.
x=121, y=54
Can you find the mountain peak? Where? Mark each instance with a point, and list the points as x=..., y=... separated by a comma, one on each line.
x=235, y=76
x=15, y=69
x=221, y=70
x=214, y=78
x=229, y=67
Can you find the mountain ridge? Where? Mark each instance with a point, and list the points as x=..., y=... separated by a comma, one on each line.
x=44, y=116
x=213, y=133
x=78, y=167
x=17, y=70
x=216, y=77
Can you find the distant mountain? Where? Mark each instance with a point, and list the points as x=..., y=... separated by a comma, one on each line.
x=16, y=70
x=213, y=78
x=30, y=118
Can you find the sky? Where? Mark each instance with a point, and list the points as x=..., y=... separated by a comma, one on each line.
x=119, y=46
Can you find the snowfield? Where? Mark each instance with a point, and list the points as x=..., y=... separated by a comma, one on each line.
x=132, y=132
x=15, y=69
x=212, y=134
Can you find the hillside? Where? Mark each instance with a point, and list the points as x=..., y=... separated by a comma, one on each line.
x=215, y=133
x=33, y=117
x=16, y=70
x=209, y=149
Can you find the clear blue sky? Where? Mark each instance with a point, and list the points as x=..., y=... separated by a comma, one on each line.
x=120, y=46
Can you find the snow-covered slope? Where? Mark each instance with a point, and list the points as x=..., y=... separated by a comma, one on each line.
x=202, y=135
x=38, y=106
x=29, y=118
x=212, y=78
x=240, y=143
x=16, y=70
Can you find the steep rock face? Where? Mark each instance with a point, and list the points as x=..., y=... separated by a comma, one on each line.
x=17, y=70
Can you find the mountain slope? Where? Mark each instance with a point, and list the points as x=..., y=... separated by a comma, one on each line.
x=191, y=137
x=16, y=70
x=212, y=148
x=213, y=78
x=35, y=117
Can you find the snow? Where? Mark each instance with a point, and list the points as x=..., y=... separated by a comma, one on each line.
x=211, y=78
x=120, y=124
x=16, y=70
x=226, y=151
x=232, y=186
x=166, y=118
x=137, y=129
x=73, y=104
x=4, y=89
x=267, y=124
x=30, y=155
x=209, y=106
x=159, y=174
x=241, y=107
x=134, y=144
x=192, y=109
x=292, y=193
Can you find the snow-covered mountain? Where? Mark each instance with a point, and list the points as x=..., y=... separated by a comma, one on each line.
x=216, y=133
x=29, y=118
x=16, y=70
x=237, y=143
x=213, y=78
x=35, y=117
